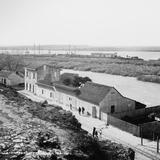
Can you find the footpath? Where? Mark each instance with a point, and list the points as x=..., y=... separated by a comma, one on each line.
x=147, y=151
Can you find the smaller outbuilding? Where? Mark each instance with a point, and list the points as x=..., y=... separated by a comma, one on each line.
x=10, y=78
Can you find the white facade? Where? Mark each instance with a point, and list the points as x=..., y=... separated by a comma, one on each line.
x=88, y=107
x=30, y=80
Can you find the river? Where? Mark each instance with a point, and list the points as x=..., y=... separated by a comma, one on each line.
x=145, y=92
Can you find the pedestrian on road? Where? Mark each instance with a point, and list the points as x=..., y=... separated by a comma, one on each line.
x=96, y=133
x=83, y=110
x=94, y=129
x=79, y=110
x=100, y=133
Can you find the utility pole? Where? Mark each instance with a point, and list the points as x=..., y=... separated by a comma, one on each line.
x=158, y=144
x=141, y=135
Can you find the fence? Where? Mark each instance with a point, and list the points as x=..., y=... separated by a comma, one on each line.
x=150, y=129
x=137, y=112
x=123, y=125
x=132, y=113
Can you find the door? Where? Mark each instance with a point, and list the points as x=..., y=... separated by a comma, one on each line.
x=94, y=112
x=112, y=109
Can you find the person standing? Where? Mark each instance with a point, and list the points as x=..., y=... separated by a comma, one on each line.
x=96, y=133
x=79, y=110
x=83, y=110
x=94, y=130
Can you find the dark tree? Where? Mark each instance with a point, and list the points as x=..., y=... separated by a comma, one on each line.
x=67, y=81
x=12, y=63
x=80, y=80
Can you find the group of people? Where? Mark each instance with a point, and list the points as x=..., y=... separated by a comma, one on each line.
x=81, y=110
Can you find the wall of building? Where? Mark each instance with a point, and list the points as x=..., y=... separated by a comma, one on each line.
x=12, y=79
x=48, y=94
x=15, y=79
x=30, y=80
x=45, y=69
x=66, y=99
x=88, y=107
x=120, y=103
x=123, y=125
x=6, y=80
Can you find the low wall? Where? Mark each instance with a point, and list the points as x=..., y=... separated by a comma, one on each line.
x=125, y=126
x=150, y=129
x=132, y=113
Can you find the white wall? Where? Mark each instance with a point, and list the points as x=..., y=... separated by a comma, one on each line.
x=87, y=106
x=46, y=93
x=67, y=100
x=30, y=80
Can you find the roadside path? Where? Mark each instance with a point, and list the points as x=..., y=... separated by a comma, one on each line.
x=145, y=152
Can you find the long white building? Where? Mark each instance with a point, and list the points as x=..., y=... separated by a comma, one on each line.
x=97, y=100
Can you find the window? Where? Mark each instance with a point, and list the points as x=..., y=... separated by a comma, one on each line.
x=34, y=75
x=42, y=91
x=112, y=109
x=33, y=88
x=26, y=86
x=51, y=94
x=30, y=87
x=27, y=74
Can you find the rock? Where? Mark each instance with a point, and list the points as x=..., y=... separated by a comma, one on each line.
x=43, y=153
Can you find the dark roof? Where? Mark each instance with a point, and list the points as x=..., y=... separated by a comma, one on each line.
x=5, y=73
x=93, y=92
x=69, y=75
x=59, y=86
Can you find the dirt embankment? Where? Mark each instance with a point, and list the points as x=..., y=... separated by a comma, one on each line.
x=29, y=130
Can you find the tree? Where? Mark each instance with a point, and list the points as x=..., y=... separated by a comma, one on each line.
x=12, y=63
x=80, y=80
x=67, y=81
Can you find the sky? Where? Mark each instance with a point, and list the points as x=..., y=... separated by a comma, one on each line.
x=80, y=22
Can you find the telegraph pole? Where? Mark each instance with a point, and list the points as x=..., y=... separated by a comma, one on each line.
x=141, y=135
x=158, y=144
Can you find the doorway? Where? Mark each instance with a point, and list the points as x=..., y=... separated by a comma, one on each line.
x=112, y=109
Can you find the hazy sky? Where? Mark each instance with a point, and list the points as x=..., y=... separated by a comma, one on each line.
x=89, y=22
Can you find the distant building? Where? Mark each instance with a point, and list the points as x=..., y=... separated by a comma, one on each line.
x=35, y=74
x=10, y=78
x=95, y=98
x=104, y=55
